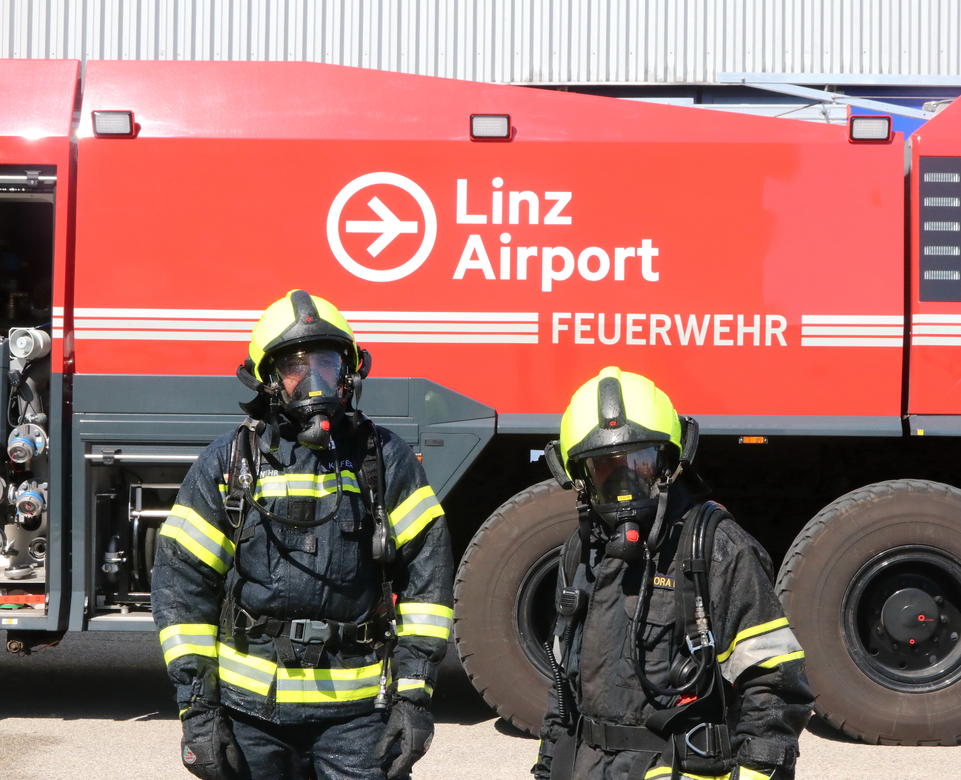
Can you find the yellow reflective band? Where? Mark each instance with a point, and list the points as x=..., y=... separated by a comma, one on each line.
x=415, y=514
x=302, y=686
x=188, y=639
x=308, y=485
x=199, y=537
x=181, y=713
x=418, y=608
x=246, y=671
x=416, y=619
x=750, y=774
x=770, y=663
x=411, y=684
x=665, y=771
x=749, y=632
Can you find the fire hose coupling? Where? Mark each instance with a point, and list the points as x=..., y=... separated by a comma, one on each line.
x=26, y=442
x=31, y=500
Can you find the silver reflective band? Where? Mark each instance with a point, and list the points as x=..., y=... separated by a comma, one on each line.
x=113, y=123
x=870, y=128
x=490, y=126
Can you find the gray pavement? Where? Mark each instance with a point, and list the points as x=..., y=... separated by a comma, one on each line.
x=100, y=706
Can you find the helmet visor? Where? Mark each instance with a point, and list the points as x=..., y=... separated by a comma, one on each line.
x=625, y=476
x=315, y=375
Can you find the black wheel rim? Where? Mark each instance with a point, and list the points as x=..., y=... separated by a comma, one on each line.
x=902, y=619
x=534, y=610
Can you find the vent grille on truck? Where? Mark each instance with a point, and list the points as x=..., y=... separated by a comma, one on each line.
x=940, y=229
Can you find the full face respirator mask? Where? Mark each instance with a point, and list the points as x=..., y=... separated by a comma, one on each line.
x=625, y=492
x=313, y=394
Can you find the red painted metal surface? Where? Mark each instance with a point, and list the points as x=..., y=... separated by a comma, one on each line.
x=38, y=100
x=935, y=372
x=248, y=180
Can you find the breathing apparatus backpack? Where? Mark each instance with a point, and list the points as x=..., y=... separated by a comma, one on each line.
x=691, y=736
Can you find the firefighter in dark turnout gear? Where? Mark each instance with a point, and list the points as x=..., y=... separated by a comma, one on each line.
x=672, y=656
x=303, y=580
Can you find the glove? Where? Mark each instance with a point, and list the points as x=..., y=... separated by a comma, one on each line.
x=545, y=755
x=415, y=727
x=208, y=748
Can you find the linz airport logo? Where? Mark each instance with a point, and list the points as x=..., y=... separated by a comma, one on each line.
x=382, y=226
x=378, y=212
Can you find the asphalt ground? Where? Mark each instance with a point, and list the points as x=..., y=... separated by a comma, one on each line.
x=99, y=705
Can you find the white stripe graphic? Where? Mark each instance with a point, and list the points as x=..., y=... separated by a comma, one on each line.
x=938, y=330
x=852, y=319
x=852, y=330
x=951, y=319
x=936, y=341
x=370, y=326
x=852, y=342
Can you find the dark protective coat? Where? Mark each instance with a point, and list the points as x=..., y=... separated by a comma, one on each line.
x=760, y=659
x=321, y=573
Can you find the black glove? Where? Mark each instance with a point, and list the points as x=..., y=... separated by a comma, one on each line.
x=545, y=754
x=208, y=748
x=415, y=727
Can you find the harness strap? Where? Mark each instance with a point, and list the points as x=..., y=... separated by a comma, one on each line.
x=608, y=736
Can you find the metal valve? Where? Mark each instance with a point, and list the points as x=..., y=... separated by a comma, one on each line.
x=26, y=442
x=31, y=501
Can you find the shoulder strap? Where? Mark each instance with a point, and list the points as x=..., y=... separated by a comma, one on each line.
x=694, y=551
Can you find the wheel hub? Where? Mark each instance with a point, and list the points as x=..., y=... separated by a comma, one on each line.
x=910, y=615
x=902, y=618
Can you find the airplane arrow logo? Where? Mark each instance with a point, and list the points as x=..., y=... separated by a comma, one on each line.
x=389, y=226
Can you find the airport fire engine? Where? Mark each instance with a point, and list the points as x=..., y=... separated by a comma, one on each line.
x=795, y=287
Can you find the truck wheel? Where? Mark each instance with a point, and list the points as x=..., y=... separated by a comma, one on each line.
x=504, y=601
x=872, y=587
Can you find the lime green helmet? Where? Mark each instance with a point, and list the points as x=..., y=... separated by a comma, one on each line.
x=616, y=411
x=298, y=318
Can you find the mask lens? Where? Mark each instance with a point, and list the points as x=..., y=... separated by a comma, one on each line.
x=624, y=476
x=307, y=375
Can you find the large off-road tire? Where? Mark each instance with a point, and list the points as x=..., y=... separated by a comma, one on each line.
x=504, y=597
x=872, y=587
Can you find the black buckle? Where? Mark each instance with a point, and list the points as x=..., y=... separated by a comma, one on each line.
x=248, y=619
x=307, y=632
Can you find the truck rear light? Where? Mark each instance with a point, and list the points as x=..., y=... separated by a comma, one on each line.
x=752, y=440
x=490, y=127
x=869, y=129
x=114, y=124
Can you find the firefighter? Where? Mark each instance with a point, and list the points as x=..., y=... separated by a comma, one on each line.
x=303, y=580
x=672, y=656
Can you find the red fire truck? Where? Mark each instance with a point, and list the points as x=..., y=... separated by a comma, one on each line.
x=799, y=292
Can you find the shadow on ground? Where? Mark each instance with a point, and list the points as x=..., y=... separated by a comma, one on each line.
x=121, y=676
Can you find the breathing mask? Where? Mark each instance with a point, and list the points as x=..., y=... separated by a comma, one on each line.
x=313, y=391
x=624, y=492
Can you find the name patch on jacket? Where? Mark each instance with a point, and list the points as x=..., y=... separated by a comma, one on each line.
x=663, y=581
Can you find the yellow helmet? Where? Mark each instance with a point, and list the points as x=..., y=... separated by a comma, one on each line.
x=298, y=318
x=617, y=411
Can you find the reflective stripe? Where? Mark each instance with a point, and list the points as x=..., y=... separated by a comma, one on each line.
x=414, y=618
x=303, y=686
x=310, y=485
x=246, y=671
x=749, y=774
x=770, y=663
x=767, y=644
x=199, y=537
x=412, y=684
x=188, y=639
x=665, y=771
x=415, y=514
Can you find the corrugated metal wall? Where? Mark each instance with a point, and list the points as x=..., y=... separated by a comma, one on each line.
x=512, y=41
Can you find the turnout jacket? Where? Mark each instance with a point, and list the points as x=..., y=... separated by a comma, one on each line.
x=769, y=701
x=321, y=573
